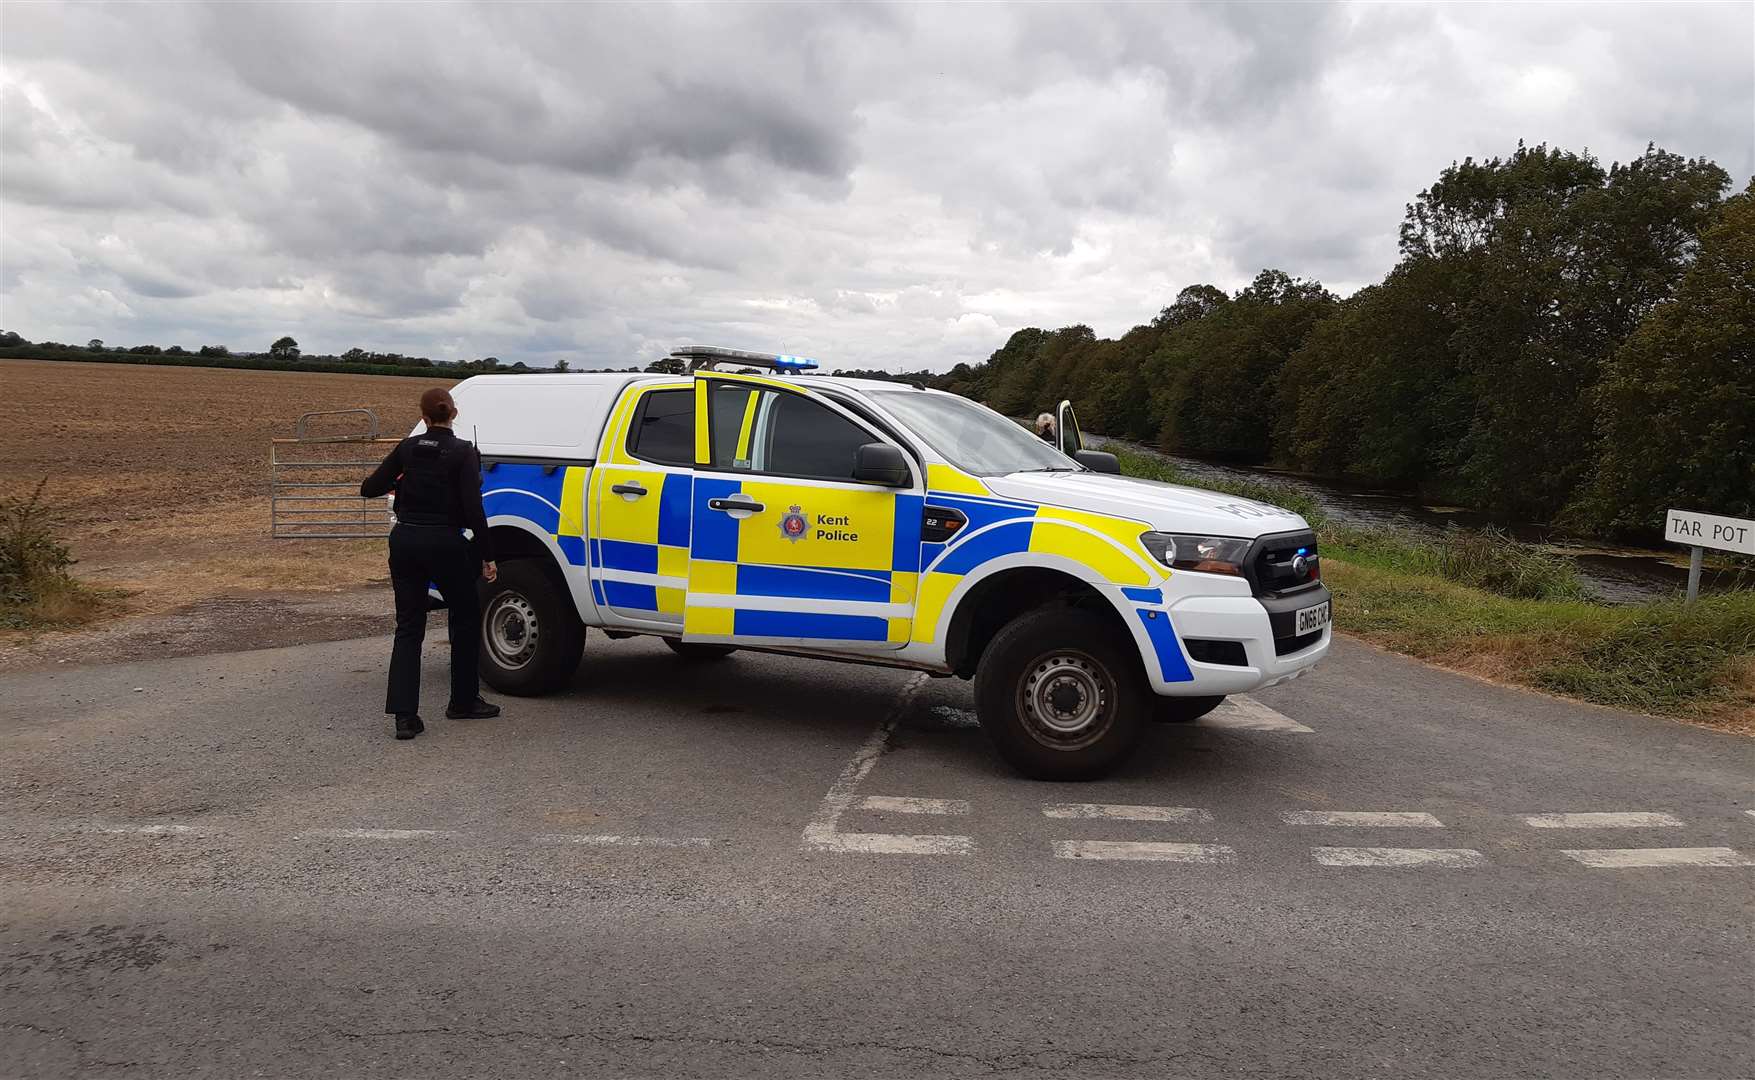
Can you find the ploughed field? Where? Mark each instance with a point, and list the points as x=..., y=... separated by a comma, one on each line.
x=125, y=443
x=159, y=475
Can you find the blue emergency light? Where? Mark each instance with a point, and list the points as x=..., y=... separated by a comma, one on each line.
x=710, y=357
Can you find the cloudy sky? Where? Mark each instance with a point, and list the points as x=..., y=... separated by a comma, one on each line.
x=877, y=186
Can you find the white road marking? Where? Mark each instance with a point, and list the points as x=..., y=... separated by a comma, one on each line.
x=1143, y=851
x=896, y=844
x=1640, y=820
x=902, y=804
x=599, y=840
x=1398, y=856
x=1247, y=714
x=1630, y=858
x=583, y=839
x=1751, y=813
x=1112, y=812
x=1386, y=819
x=374, y=834
x=822, y=832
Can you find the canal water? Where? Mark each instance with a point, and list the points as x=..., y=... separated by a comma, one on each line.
x=1612, y=573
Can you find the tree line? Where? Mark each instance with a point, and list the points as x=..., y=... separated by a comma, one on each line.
x=1557, y=342
x=283, y=355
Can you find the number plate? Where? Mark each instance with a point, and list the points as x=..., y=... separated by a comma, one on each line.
x=1310, y=618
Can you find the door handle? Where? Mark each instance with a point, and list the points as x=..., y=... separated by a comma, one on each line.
x=745, y=503
x=628, y=489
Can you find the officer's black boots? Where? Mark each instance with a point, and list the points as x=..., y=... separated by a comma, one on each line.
x=474, y=710
x=408, y=726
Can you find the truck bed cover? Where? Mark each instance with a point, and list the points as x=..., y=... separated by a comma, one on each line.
x=538, y=416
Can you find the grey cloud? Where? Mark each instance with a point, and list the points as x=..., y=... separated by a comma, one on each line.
x=443, y=83
x=871, y=184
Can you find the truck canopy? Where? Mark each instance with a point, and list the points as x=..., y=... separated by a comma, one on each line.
x=543, y=416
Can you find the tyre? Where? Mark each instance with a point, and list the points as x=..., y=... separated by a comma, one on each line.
x=531, y=638
x=698, y=651
x=1061, y=694
x=1184, y=710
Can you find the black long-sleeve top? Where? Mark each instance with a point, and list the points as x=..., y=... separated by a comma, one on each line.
x=437, y=480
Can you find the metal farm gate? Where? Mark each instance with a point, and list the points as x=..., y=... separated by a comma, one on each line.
x=314, y=481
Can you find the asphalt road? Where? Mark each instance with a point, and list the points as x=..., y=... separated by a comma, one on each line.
x=223, y=866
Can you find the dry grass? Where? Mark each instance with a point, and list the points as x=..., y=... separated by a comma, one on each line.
x=65, y=605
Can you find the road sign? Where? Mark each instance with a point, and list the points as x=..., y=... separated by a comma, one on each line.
x=1701, y=531
x=1710, y=530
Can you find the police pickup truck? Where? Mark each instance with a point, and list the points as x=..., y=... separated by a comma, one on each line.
x=740, y=506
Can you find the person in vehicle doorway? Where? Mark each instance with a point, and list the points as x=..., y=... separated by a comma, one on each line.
x=1045, y=428
x=437, y=480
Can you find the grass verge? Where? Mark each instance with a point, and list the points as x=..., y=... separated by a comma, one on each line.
x=1483, y=603
x=1692, y=663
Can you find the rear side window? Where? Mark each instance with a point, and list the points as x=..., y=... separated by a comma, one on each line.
x=664, y=427
x=733, y=407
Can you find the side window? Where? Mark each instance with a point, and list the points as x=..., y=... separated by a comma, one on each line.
x=806, y=439
x=770, y=431
x=664, y=427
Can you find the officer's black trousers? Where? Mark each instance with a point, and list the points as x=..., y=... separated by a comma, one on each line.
x=419, y=555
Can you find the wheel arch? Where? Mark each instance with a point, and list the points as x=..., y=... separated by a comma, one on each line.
x=519, y=538
x=984, y=602
x=514, y=538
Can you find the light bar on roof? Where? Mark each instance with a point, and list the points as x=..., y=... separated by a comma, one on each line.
x=708, y=357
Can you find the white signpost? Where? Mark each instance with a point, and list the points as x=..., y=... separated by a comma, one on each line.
x=1702, y=531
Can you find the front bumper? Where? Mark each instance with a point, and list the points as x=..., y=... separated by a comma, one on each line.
x=1260, y=628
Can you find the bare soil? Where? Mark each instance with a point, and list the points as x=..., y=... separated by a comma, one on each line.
x=159, y=476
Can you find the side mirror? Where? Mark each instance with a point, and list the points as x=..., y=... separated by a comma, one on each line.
x=1098, y=461
x=880, y=463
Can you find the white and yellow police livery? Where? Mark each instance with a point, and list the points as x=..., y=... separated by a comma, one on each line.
x=874, y=521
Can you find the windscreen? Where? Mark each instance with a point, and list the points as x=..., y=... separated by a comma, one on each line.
x=971, y=437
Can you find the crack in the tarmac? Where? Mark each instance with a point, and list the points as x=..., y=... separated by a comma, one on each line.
x=994, y=1063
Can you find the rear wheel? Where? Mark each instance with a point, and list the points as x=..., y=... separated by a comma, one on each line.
x=1061, y=695
x=699, y=651
x=1184, y=710
x=531, y=638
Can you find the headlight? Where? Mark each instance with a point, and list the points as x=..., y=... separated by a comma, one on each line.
x=1208, y=554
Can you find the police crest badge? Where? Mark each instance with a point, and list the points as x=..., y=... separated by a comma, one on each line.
x=794, y=525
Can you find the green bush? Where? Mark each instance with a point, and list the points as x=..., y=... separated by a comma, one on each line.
x=1485, y=559
x=36, y=588
x=31, y=557
x=1491, y=560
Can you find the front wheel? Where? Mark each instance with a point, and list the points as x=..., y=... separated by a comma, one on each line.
x=1061, y=695
x=531, y=638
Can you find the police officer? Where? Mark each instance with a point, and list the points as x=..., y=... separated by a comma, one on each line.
x=437, y=479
